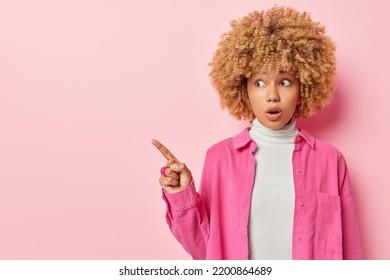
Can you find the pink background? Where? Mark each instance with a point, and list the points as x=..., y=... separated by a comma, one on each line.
x=85, y=85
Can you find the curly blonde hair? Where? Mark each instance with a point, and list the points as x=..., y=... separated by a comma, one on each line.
x=280, y=38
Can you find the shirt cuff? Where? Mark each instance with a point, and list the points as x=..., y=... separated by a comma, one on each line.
x=182, y=200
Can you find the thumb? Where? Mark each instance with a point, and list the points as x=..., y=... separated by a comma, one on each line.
x=180, y=167
x=183, y=172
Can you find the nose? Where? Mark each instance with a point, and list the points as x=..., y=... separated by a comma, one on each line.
x=272, y=95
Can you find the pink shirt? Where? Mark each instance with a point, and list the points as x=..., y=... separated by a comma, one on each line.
x=213, y=224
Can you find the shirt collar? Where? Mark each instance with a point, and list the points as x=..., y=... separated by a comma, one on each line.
x=303, y=134
x=243, y=138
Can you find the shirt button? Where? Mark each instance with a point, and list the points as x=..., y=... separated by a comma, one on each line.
x=299, y=171
x=299, y=238
x=301, y=204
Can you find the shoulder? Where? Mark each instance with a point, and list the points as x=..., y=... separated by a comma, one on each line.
x=327, y=148
x=321, y=147
x=237, y=142
x=231, y=145
x=224, y=145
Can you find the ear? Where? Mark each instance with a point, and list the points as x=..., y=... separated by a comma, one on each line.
x=299, y=101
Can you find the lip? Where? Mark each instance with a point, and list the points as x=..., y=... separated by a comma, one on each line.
x=274, y=116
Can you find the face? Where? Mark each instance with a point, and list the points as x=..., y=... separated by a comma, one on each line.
x=273, y=97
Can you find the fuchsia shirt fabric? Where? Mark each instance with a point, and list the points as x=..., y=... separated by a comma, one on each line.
x=213, y=224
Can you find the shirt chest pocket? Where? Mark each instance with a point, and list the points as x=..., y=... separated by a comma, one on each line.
x=329, y=223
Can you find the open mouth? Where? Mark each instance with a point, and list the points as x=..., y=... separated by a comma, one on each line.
x=274, y=111
x=274, y=114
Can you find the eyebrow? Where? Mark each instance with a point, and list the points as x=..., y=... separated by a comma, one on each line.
x=279, y=72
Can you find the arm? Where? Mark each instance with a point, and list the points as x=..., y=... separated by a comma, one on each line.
x=186, y=214
x=188, y=221
x=351, y=237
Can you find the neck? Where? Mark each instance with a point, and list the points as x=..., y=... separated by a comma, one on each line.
x=281, y=136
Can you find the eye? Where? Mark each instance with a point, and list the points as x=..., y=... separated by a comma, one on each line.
x=285, y=82
x=260, y=83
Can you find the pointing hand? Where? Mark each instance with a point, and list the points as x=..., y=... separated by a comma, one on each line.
x=177, y=176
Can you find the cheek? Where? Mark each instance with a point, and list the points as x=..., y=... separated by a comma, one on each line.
x=252, y=98
x=255, y=101
x=294, y=96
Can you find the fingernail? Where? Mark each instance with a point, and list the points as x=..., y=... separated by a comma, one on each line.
x=174, y=166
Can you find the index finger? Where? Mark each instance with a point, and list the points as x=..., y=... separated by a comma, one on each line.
x=163, y=150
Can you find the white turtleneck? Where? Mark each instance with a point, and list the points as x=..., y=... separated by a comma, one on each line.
x=272, y=205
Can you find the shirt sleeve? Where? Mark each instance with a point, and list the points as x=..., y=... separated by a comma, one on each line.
x=351, y=237
x=188, y=221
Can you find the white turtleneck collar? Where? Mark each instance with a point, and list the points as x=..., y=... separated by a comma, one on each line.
x=268, y=136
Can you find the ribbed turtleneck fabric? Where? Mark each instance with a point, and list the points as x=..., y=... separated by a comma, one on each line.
x=272, y=202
